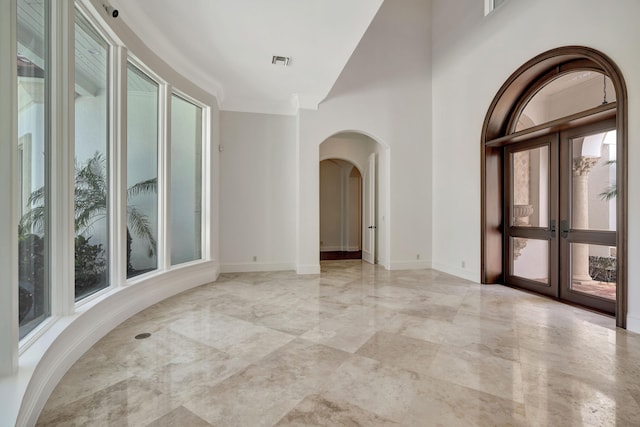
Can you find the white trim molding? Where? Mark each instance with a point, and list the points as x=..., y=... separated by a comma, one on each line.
x=471, y=275
x=308, y=269
x=8, y=176
x=410, y=265
x=252, y=267
x=633, y=323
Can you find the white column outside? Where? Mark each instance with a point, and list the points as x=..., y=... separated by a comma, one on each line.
x=580, y=216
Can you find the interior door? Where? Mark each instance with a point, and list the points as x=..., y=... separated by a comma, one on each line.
x=369, y=223
x=530, y=212
x=588, y=216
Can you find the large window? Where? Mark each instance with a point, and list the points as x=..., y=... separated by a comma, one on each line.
x=33, y=155
x=186, y=181
x=92, y=159
x=142, y=172
x=71, y=164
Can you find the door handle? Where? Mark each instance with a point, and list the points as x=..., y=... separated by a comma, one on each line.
x=564, y=228
x=372, y=226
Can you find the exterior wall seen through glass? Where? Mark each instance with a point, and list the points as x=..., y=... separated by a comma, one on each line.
x=33, y=158
x=91, y=160
x=186, y=181
x=142, y=172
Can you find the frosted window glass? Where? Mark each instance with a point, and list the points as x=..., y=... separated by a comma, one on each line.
x=186, y=181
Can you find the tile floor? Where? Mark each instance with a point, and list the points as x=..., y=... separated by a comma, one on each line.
x=357, y=345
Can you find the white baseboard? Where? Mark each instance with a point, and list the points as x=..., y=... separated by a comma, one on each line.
x=339, y=249
x=633, y=323
x=409, y=265
x=471, y=275
x=251, y=267
x=308, y=269
x=44, y=364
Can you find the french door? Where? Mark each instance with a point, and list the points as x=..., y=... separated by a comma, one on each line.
x=560, y=218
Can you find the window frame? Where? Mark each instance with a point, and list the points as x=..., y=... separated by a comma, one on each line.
x=61, y=33
x=205, y=190
x=161, y=179
x=113, y=196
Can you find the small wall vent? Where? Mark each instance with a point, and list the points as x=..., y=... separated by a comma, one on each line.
x=280, y=60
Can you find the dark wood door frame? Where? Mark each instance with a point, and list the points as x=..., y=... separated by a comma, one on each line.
x=498, y=131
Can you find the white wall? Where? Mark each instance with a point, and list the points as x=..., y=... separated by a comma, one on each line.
x=257, y=196
x=473, y=56
x=384, y=92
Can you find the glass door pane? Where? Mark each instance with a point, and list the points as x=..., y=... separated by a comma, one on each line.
x=530, y=187
x=593, y=183
x=593, y=270
x=530, y=259
x=531, y=212
x=588, y=212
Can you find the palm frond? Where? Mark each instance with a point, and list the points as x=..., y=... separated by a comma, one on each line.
x=148, y=186
x=139, y=224
x=90, y=193
x=609, y=193
x=33, y=220
x=37, y=196
x=91, y=202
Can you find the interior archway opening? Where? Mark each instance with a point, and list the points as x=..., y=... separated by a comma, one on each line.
x=352, y=168
x=340, y=210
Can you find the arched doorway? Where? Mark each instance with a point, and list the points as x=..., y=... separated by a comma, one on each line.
x=554, y=181
x=340, y=210
x=369, y=158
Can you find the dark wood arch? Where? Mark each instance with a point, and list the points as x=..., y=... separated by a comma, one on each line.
x=507, y=105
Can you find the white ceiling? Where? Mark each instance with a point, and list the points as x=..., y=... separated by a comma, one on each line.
x=226, y=46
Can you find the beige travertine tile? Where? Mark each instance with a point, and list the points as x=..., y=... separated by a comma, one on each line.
x=489, y=374
x=356, y=345
x=397, y=350
x=265, y=391
x=179, y=417
x=384, y=390
x=552, y=396
x=442, y=403
x=317, y=410
x=130, y=402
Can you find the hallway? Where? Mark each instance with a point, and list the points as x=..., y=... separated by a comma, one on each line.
x=357, y=345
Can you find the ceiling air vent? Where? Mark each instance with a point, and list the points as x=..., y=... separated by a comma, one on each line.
x=282, y=60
